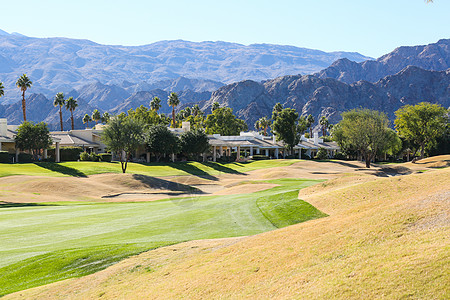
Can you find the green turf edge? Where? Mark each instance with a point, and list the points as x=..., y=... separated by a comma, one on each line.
x=63, y=264
x=285, y=209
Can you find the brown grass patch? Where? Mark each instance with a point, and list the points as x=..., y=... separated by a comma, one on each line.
x=384, y=238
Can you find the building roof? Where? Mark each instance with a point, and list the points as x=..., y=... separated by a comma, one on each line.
x=67, y=139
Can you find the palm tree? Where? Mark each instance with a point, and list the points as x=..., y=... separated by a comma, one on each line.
x=86, y=120
x=196, y=110
x=23, y=83
x=262, y=123
x=155, y=104
x=173, y=101
x=324, y=123
x=215, y=106
x=2, y=92
x=96, y=116
x=71, y=104
x=105, y=117
x=60, y=101
x=309, y=122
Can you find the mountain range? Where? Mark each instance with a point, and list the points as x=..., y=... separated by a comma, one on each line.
x=62, y=64
x=407, y=75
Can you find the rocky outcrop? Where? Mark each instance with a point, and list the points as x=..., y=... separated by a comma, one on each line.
x=435, y=57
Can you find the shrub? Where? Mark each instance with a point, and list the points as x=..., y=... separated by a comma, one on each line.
x=340, y=156
x=321, y=154
x=66, y=153
x=4, y=157
x=84, y=156
x=105, y=157
x=94, y=157
x=25, y=157
x=260, y=157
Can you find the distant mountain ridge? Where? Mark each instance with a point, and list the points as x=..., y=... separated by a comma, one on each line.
x=435, y=56
x=63, y=64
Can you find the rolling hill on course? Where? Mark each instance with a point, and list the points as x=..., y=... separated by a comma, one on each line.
x=386, y=234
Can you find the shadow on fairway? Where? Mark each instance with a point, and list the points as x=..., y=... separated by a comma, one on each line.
x=14, y=204
x=346, y=164
x=223, y=169
x=192, y=170
x=161, y=184
x=56, y=167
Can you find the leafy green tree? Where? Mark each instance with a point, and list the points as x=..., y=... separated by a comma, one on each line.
x=105, y=117
x=96, y=116
x=262, y=124
x=362, y=130
x=33, y=137
x=421, y=124
x=71, y=105
x=60, y=101
x=123, y=135
x=174, y=102
x=215, y=106
x=223, y=122
x=277, y=108
x=194, y=142
x=2, y=91
x=155, y=104
x=286, y=127
x=161, y=141
x=197, y=121
x=86, y=120
x=393, y=143
x=324, y=123
x=24, y=83
x=146, y=116
x=302, y=125
x=309, y=123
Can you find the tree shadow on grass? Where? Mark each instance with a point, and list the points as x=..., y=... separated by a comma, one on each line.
x=4, y=204
x=346, y=164
x=56, y=167
x=192, y=170
x=224, y=169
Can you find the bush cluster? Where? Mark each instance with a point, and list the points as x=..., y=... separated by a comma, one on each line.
x=4, y=157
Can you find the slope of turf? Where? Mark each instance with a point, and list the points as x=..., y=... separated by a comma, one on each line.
x=65, y=241
x=84, y=168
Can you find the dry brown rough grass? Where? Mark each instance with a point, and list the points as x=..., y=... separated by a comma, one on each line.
x=386, y=237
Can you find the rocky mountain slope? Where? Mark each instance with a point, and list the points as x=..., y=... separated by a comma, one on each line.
x=434, y=57
x=62, y=64
x=329, y=97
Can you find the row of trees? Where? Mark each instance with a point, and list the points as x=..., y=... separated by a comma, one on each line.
x=125, y=134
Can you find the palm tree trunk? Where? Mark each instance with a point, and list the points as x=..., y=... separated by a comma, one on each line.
x=71, y=113
x=24, y=107
x=60, y=118
x=173, y=116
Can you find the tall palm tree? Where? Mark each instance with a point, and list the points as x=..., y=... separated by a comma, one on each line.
x=262, y=123
x=96, y=116
x=2, y=92
x=324, y=123
x=215, y=106
x=105, y=117
x=86, y=120
x=71, y=104
x=173, y=101
x=196, y=110
x=309, y=122
x=60, y=101
x=155, y=104
x=24, y=83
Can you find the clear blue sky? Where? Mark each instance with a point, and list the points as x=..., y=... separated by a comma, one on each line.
x=370, y=27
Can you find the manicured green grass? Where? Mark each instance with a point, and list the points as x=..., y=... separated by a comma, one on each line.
x=84, y=168
x=42, y=244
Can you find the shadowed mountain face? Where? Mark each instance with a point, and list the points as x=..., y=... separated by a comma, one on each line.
x=62, y=64
x=435, y=57
x=329, y=97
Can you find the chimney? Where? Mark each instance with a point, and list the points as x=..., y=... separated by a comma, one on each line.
x=316, y=138
x=3, y=127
